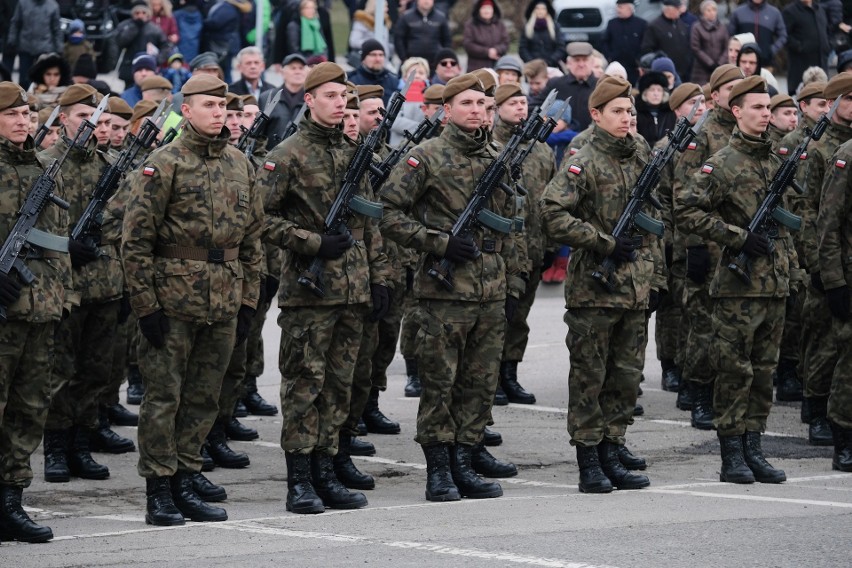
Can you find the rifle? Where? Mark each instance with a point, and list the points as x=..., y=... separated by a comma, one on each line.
x=45, y=128
x=294, y=124
x=545, y=128
x=475, y=213
x=770, y=213
x=171, y=134
x=88, y=226
x=248, y=139
x=380, y=172
x=633, y=217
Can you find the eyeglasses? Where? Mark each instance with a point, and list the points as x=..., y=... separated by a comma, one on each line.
x=448, y=63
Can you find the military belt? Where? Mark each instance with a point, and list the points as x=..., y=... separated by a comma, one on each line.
x=490, y=245
x=215, y=256
x=39, y=253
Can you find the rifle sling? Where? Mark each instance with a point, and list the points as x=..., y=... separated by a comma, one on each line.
x=215, y=256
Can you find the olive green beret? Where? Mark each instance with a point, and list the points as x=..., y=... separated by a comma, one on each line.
x=12, y=95
x=507, y=91
x=462, y=83
x=143, y=109
x=249, y=100
x=80, y=94
x=155, y=82
x=434, y=95
x=683, y=93
x=753, y=84
x=488, y=81
x=838, y=86
x=707, y=90
x=325, y=72
x=352, y=101
x=781, y=100
x=119, y=107
x=812, y=90
x=607, y=89
x=205, y=84
x=724, y=74
x=370, y=92
x=233, y=102
x=44, y=114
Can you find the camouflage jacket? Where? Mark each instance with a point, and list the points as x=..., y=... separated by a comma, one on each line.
x=775, y=136
x=300, y=180
x=664, y=192
x=52, y=289
x=580, y=208
x=798, y=203
x=101, y=280
x=834, y=223
x=196, y=192
x=720, y=201
x=426, y=193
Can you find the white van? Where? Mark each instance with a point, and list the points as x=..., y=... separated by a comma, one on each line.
x=585, y=20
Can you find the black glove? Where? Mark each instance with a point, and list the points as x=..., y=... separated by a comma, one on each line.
x=838, y=302
x=697, y=263
x=669, y=255
x=244, y=317
x=790, y=304
x=81, y=253
x=155, y=327
x=511, y=307
x=547, y=261
x=409, y=278
x=756, y=245
x=816, y=281
x=271, y=288
x=654, y=300
x=10, y=289
x=334, y=246
x=381, y=296
x=461, y=250
x=623, y=251
x=124, y=309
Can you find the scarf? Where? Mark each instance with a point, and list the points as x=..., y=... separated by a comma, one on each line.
x=312, y=40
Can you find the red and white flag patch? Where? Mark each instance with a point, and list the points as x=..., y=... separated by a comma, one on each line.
x=575, y=169
x=783, y=151
x=412, y=161
x=707, y=169
x=269, y=166
x=692, y=146
x=840, y=164
x=804, y=156
x=148, y=171
x=572, y=151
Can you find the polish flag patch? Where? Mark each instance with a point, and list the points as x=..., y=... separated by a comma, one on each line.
x=783, y=151
x=692, y=146
x=148, y=171
x=412, y=161
x=575, y=169
x=804, y=156
x=270, y=166
x=707, y=169
x=840, y=164
x=572, y=151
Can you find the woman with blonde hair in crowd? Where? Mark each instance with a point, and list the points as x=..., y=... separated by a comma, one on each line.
x=364, y=28
x=411, y=114
x=161, y=14
x=541, y=37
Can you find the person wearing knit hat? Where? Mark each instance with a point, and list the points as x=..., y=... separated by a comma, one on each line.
x=509, y=69
x=84, y=69
x=784, y=118
x=372, y=69
x=445, y=65
x=142, y=67
x=485, y=37
x=580, y=207
x=665, y=66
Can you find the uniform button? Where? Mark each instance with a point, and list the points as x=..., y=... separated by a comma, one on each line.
x=198, y=267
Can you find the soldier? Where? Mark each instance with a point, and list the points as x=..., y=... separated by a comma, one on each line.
x=702, y=257
x=234, y=119
x=784, y=118
x=607, y=331
x=461, y=329
x=320, y=335
x=120, y=123
x=747, y=319
x=32, y=312
x=191, y=253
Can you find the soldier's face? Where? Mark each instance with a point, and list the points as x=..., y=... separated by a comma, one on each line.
x=205, y=113
x=74, y=116
x=249, y=114
x=814, y=108
x=351, y=123
x=233, y=121
x=15, y=124
x=723, y=93
x=33, y=123
x=685, y=108
x=753, y=116
x=466, y=110
x=50, y=138
x=785, y=118
x=118, y=131
x=103, y=129
x=370, y=115
x=614, y=117
x=843, y=114
x=513, y=110
x=490, y=111
x=327, y=103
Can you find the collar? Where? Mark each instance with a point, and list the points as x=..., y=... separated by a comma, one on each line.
x=502, y=131
x=466, y=142
x=619, y=148
x=315, y=132
x=203, y=145
x=758, y=146
x=12, y=154
x=724, y=117
x=81, y=154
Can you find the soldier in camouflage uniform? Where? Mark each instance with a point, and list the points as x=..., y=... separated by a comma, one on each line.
x=607, y=331
x=784, y=118
x=191, y=253
x=32, y=312
x=320, y=335
x=461, y=329
x=747, y=319
x=702, y=257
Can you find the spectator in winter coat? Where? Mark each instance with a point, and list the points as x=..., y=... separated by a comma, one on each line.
x=48, y=77
x=750, y=61
x=223, y=31
x=765, y=22
x=251, y=66
x=622, y=40
x=77, y=44
x=161, y=14
x=372, y=70
x=190, y=22
x=485, y=38
x=412, y=112
x=541, y=37
x=134, y=35
x=665, y=66
x=142, y=66
x=177, y=74
x=294, y=71
x=653, y=114
x=33, y=31
x=709, y=43
x=668, y=33
x=308, y=35
x=446, y=66
x=364, y=28
x=421, y=31
x=807, y=40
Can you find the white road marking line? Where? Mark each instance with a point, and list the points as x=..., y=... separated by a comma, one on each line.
x=752, y=498
x=119, y=518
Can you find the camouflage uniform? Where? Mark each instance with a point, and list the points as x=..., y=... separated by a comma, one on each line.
x=320, y=336
x=607, y=332
x=747, y=320
x=173, y=217
x=26, y=338
x=775, y=136
x=461, y=330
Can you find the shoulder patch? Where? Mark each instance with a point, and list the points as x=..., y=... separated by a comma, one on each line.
x=148, y=171
x=692, y=145
x=412, y=161
x=804, y=156
x=783, y=151
x=707, y=169
x=572, y=151
x=575, y=169
x=840, y=164
x=269, y=166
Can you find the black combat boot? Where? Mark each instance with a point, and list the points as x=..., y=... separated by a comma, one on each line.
x=684, y=395
x=671, y=376
x=301, y=496
x=222, y=455
x=468, y=483
x=345, y=470
x=207, y=463
x=333, y=493
x=702, y=406
x=56, y=456
x=240, y=410
x=190, y=504
x=805, y=413
x=842, y=459
x=789, y=386
x=619, y=475
x=819, y=430
x=207, y=490
x=592, y=478
x=439, y=480
x=630, y=461
x=362, y=428
x=491, y=438
x=413, y=388
x=375, y=420
x=254, y=403
x=120, y=416
x=161, y=510
x=487, y=465
x=638, y=410
x=15, y=524
x=510, y=385
x=135, y=386
x=236, y=430
x=500, y=398
x=734, y=468
x=80, y=460
x=107, y=441
x=762, y=469
x=359, y=447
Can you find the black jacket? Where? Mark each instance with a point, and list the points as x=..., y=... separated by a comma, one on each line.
x=672, y=37
x=416, y=35
x=622, y=42
x=807, y=40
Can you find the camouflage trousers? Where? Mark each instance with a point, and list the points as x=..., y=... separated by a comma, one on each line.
x=670, y=333
x=458, y=353
x=120, y=358
x=81, y=370
x=361, y=379
x=840, y=400
x=254, y=343
x=232, y=383
x=791, y=340
x=697, y=309
x=518, y=330
x=819, y=351
x=409, y=327
x=182, y=384
x=743, y=353
x=607, y=353
x=26, y=353
x=319, y=348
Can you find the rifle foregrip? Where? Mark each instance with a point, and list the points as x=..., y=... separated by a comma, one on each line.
x=442, y=271
x=312, y=277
